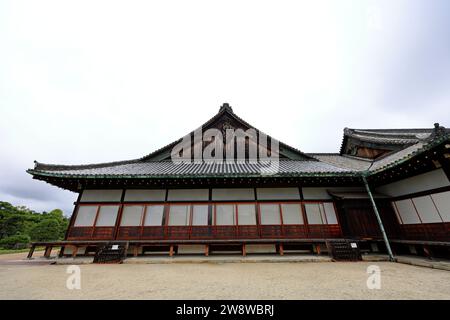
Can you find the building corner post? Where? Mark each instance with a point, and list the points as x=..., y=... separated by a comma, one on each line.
x=380, y=223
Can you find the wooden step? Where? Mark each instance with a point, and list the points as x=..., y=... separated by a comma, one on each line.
x=344, y=250
x=111, y=253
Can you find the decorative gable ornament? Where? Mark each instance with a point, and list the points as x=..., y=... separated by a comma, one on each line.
x=228, y=146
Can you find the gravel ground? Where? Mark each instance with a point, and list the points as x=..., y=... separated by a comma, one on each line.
x=316, y=280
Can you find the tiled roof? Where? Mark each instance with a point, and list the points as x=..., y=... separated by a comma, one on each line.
x=373, y=166
x=170, y=169
x=343, y=161
x=396, y=156
x=325, y=164
x=389, y=136
x=295, y=163
x=409, y=152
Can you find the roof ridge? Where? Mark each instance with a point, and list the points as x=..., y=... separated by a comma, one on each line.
x=47, y=166
x=387, y=135
x=357, y=158
x=323, y=153
x=392, y=130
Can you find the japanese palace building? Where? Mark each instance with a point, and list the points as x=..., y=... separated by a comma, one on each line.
x=386, y=190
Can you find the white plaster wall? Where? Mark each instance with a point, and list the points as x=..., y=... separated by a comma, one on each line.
x=188, y=194
x=278, y=194
x=321, y=193
x=407, y=211
x=422, y=182
x=442, y=201
x=145, y=195
x=316, y=193
x=233, y=194
x=101, y=195
x=426, y=209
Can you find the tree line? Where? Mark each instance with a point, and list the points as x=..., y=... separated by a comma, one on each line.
x=19, y=226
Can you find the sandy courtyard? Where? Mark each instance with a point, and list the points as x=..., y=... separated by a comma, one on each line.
x=319, y=280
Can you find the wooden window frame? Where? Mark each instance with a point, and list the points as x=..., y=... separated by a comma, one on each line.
x=90, y=232
x=235, y=231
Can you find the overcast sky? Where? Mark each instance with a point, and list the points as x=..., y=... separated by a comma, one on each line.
x=95, y=81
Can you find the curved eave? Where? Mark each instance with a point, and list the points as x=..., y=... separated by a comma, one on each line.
x=41, y=167
x=194, y=176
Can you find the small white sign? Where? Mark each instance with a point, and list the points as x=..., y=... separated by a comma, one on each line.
x=353, y=245
x=115, y=247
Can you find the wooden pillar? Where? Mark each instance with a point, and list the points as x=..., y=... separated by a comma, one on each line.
x=207, y=250
x=30, y=253
x=74, y=251
x=318, y=249
x=135, y=250
x=73, y=216
x=427, y=252
x=171, y=251
x=61, y=252
x=244, y=251
x=48, y=251
x=281, y=249
x=125, y=253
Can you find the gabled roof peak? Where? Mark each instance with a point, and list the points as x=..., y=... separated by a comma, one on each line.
x=225, y=107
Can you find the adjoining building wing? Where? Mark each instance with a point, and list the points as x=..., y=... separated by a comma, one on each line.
x=372, y=150
x=375, y=143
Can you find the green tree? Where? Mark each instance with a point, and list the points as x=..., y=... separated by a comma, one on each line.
x=18, y=241
x=11, y=220
x=19, y=223
x=63, y=222
x=46, y=230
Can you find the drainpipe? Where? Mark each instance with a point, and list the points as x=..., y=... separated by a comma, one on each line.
x=380, y=223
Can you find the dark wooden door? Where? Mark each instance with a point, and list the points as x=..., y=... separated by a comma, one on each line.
x=358, y=219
